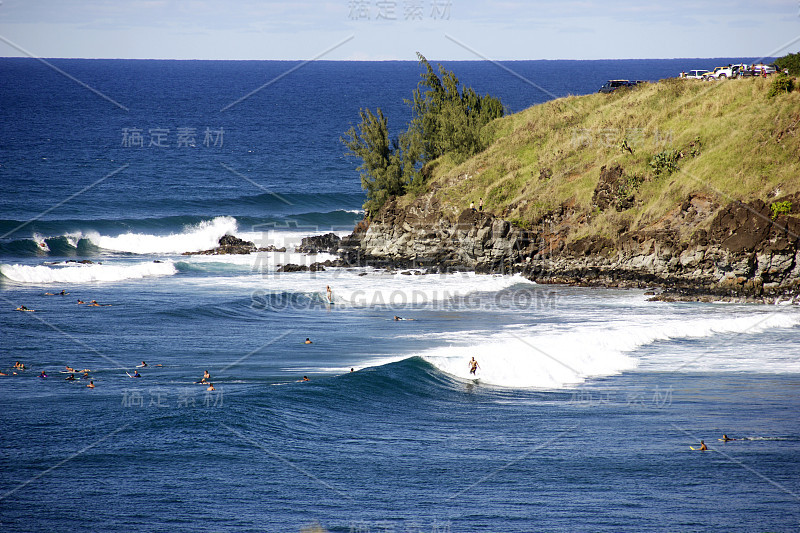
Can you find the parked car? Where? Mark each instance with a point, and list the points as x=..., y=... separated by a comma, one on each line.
x=612, y=85
x=721, y=73
x=761, y=68
x=694, y=74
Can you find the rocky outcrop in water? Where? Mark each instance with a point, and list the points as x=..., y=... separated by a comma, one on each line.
x=231, y=245
x=328, y=243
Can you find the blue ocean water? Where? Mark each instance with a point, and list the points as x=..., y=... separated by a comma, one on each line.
x=580, y=417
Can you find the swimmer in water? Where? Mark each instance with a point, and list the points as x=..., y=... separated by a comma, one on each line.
x=308, y=341
x=305, y=378
x=473, y=366
x=81, y=302
x=211, y=387
x=42, y=375
x=85, y=374
x=90, y=385
x=71, y=377
x=703, y=446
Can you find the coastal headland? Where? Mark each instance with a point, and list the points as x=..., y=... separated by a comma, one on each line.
x=691, y=188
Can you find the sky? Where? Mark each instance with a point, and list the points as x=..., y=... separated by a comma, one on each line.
x=397, y=29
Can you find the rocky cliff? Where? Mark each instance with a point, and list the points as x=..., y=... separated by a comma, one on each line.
x=744, y=255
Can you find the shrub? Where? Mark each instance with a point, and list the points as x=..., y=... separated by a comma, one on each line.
x=781, y=84
x=665, y=162
x=780, y=208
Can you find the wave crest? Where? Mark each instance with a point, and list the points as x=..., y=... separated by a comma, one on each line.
x=552, y=360
x=78, y=273
x=202, y=236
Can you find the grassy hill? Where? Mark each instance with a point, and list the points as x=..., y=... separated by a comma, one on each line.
x=728, y=141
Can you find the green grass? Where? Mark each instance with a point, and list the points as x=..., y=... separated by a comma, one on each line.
x=748, y=149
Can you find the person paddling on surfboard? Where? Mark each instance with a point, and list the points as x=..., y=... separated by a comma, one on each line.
x=473, y=366
x=725, y=438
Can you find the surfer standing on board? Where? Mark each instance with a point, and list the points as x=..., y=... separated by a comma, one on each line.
x=329, y=293
x=473, y=366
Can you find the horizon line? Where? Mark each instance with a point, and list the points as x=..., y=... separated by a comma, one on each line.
x=382, y=60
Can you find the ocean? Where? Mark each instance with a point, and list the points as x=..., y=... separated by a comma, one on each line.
x=580, y=416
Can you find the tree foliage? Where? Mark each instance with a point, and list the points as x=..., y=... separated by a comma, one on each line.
x=445, y=120
x=791, y=62
x=382, y=166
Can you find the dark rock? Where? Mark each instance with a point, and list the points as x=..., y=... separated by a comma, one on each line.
x=320, y=243
x=228, y=245
x=293, y=268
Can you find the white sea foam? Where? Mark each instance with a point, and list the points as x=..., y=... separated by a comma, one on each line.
x=554, y=358
x=78, y=273
x=194, y=238
x=397, y=290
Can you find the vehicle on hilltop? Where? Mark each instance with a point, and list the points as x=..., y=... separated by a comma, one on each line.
x=612, y=85
x=723, y=73
x=694, y=74
x=760, y=69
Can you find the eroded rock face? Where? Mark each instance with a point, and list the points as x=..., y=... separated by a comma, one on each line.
x=743, y=253
x=416, y=236
x=611, y=190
